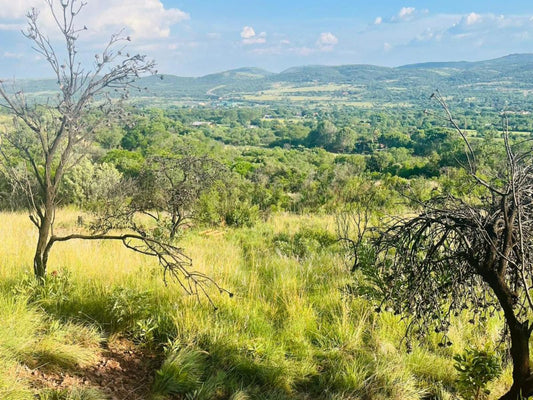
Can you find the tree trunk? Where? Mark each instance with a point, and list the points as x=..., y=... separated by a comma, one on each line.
x=40, y=259
x=522, y=379
x=522, y=386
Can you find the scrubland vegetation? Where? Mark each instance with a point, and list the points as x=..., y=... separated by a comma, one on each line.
x=291, y=331
x=264, y=228
x=313, y=234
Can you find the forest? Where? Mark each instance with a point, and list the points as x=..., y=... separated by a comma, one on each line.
x=333, y=233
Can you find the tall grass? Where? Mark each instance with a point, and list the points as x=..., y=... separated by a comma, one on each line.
x=290, y=331
x=29, y=338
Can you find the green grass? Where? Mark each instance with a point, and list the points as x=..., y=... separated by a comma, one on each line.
x=289, y=332
x=29, y=338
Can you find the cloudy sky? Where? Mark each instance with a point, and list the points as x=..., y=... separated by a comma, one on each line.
x=197, y=37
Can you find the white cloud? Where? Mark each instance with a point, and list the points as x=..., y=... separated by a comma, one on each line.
x=406, y=13
x=144, y=19
x=11, y=27
x=387, y=46
x=426, y=35
x=490, y=25
x=327, y=41
x=472, y=18
x=8, y=54
x=249, y=36
x=258, y=39
x=247, y=32
x=285, y=41
x=17, y=9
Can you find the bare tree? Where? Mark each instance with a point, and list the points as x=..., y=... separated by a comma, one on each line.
x=170, y=185
x=469, y=254
x=49, y=139
x=353, y=224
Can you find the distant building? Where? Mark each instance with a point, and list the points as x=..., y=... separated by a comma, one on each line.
x=201, y=123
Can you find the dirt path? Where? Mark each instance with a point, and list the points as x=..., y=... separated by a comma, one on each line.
x=123, y=372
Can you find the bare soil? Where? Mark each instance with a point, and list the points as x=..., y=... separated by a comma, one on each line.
x=123, y=372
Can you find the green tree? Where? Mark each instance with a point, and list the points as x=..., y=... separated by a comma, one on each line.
x=344, y=141
x=323, y=135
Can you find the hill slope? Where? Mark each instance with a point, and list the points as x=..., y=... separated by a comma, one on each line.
x=505, y=80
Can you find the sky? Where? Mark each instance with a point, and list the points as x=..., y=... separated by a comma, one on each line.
x=198, y=37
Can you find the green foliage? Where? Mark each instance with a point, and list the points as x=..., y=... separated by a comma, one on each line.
x=227, y=203
x=242, y=167
x=147, y=129
x=109, y=137
x=127, y=306
x=128, y=163
x=50, y=293
x=74, y=393
x=180, y=374
x=241, y=214
x=476, y=369
x=87, y=184
x=273, y=168
x=304, y=243
x=323, y=136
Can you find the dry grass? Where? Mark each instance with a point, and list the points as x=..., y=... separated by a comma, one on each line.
x=288, y=333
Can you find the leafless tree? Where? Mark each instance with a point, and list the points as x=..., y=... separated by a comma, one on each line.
x=170, y=185
x=354, y=222
x=471, y=254
x=49, y=139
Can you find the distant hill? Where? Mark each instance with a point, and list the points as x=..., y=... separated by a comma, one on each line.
x=502, y=80
x=507, y=61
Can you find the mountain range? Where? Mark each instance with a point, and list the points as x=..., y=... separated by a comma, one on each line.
x=506, y=80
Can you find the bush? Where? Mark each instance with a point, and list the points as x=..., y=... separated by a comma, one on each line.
x=52, y=293
x=137, y=315
x=476, y=369
x=87, y=184
x=304, y=243
x=241, y=215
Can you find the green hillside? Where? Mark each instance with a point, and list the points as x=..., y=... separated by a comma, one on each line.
x=505, y=81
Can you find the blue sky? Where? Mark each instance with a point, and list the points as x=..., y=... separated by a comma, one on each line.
x=196, y=37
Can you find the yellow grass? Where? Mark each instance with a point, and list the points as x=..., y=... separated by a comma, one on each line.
x=288, y=325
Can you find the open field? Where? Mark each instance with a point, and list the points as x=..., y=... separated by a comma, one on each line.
x=290, y=331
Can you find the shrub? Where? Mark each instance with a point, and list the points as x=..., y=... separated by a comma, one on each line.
x=304, y=243
x=476, y=369
x=241, y=214
x=54, y=291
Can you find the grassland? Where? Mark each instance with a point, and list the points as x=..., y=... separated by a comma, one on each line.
x=311, y=94
x=290, y=332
